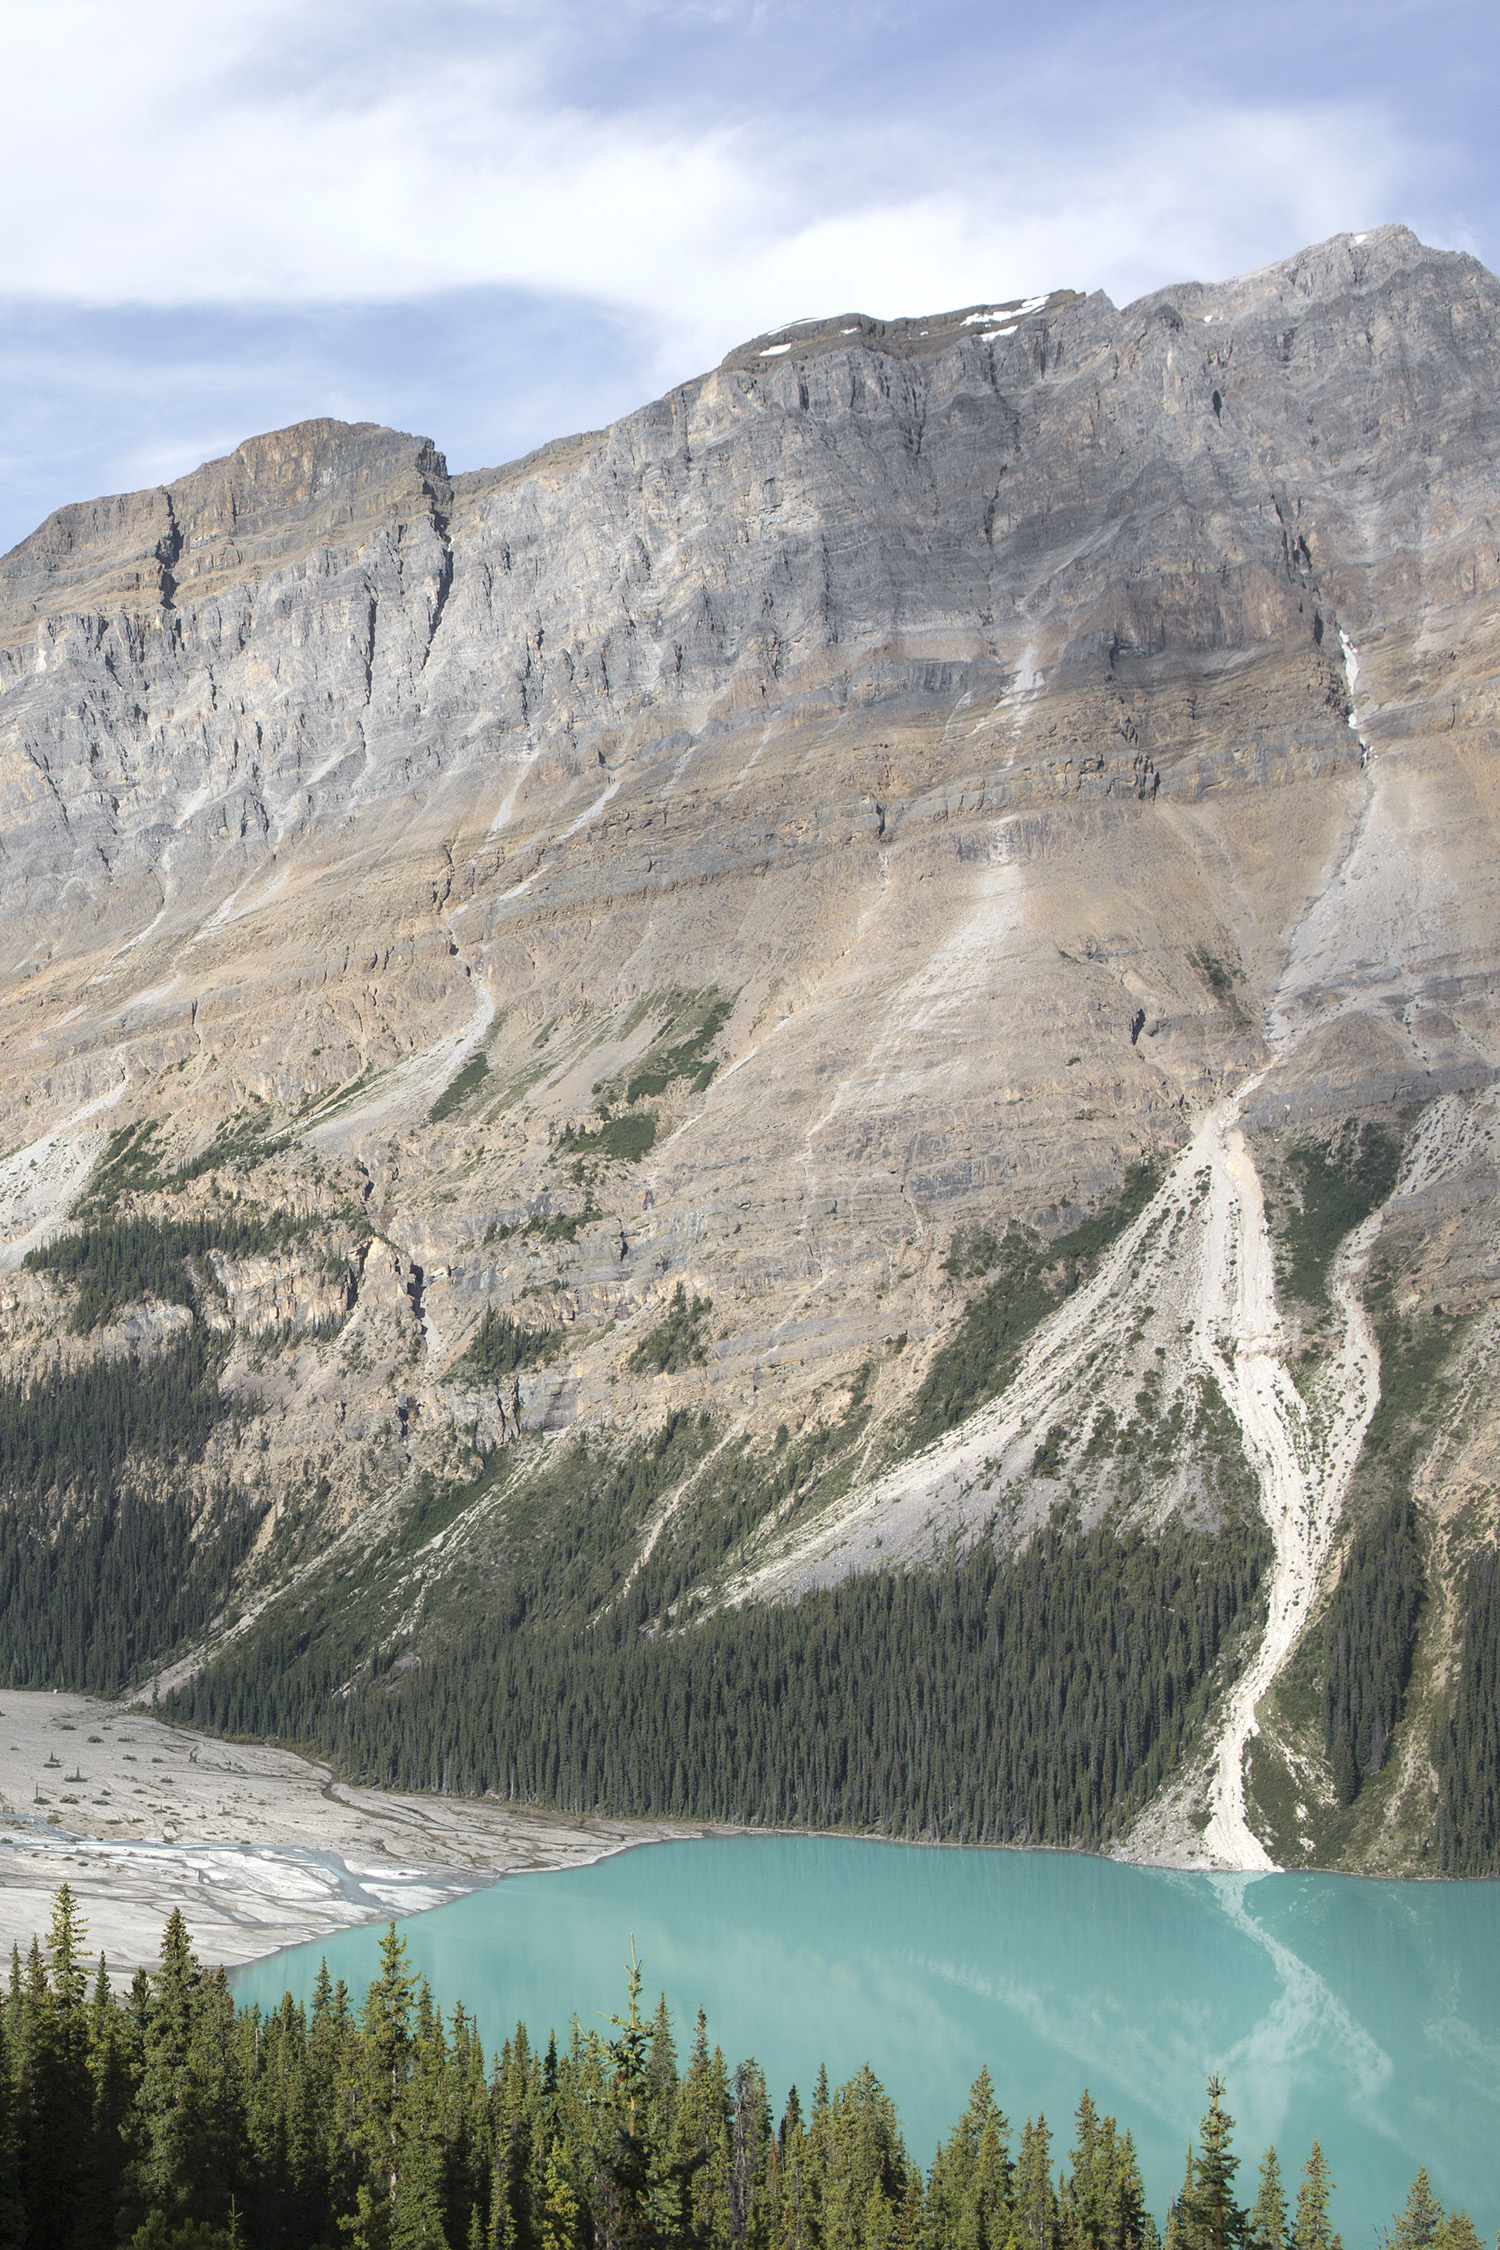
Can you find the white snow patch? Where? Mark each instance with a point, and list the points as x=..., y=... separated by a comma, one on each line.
x=990, y=334
x=774, y=351
x=1351, y=666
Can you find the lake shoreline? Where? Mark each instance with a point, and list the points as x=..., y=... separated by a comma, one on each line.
x=260, y=1848
x=264, y=1849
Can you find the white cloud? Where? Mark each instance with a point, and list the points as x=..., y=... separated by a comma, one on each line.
x=169, y=154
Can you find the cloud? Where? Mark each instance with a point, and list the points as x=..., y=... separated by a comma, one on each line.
x=208, y=167
x=496, y=220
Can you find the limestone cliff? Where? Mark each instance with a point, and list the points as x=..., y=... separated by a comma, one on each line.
x=915, y=794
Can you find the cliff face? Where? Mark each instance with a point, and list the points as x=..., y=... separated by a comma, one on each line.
x=873, y=797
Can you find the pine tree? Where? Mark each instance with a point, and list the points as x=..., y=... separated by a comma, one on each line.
x=1268, y=2218
x=381, y=2064
x=630, y=2166
x=969, y=2188
x=1417, y=2226
x=56, y=2092
x=1036, y=2204
x=560, y=2210
x=112, y=2105
x=1314, y=2226
x=1214, y=2221
x=12, y=2224
x=417, y=2126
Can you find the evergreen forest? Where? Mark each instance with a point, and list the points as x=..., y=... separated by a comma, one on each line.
x=1036, y=1698
x=173, y=2119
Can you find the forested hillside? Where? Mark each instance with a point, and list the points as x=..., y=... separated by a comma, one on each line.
x=1041, y=1700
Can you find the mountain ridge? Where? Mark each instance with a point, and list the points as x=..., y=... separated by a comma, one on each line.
x=696, y=859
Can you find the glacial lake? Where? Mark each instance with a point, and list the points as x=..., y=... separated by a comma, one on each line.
x=1365, y=2013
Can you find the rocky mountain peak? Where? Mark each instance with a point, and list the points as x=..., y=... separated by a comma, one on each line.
x=316, y=483
x=923, y=907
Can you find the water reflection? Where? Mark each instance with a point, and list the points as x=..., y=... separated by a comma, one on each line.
x=1368, y=2013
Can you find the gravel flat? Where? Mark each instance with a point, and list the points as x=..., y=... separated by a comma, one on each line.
x=260, y=1848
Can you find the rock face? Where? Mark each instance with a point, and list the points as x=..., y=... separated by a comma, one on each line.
x=874, y=796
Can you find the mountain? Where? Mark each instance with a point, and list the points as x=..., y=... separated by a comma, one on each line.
x=842, y=1034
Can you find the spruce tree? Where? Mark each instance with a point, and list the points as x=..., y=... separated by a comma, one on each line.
x=1314, y=2225
x=1214, y=2221
x=1035, y=2202
x=1268, y=2217
x=1417, y=2226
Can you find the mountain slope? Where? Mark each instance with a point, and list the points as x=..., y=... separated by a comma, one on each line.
x=902, y=940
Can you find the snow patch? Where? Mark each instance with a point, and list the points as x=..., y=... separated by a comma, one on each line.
x=774, y=351
x=999, y=312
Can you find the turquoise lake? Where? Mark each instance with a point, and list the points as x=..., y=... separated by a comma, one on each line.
x=1367, y=2013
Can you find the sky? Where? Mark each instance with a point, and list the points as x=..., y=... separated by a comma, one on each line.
x=499, y=221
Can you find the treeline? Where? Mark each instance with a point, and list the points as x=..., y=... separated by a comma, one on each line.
x=1371, y=1638
x=175, y=2120
x=1038, y=1698
x=74, y=1429
x=94, y=1595
x=97, y=1584
x=1467, y=1739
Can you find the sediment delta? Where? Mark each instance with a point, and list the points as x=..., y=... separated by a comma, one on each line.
x=258, y=1847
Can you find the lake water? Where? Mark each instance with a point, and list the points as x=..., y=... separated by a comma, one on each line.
x=1366, y=2013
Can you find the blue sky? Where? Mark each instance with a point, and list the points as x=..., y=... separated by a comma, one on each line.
x=496, y=221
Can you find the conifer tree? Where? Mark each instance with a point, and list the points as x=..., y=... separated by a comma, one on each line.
x=11, y=2220
x=560, y=2210
x=1036, y=2202
x=111, y=2106
x=1212, y=2218
x=1314, y=2225
x=969, y=2187
x=381, y=2063
x=1268, y=2215
x=1417, y=2227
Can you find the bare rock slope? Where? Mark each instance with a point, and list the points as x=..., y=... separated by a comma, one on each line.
x=691, y=921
